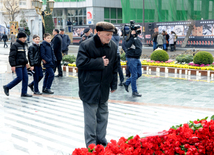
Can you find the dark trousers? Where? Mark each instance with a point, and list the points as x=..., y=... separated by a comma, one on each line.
x=96, y=120
x=172, y=47
x=49, y=77
x=37, y=77
x=58, y=66
x=22, y=75
x=65, y=52
x=120, y=68
x=69, y=29
x=5, y=44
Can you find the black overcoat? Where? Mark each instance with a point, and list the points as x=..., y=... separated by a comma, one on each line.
x=56, y=42
x=96, y=80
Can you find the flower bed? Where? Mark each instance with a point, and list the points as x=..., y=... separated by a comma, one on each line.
x=169, y=63
x=193, y=138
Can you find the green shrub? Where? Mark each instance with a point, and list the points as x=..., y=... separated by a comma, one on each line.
x=203, y=57
x=123, y=56
x=159, y=55
x=69, y=58
x=184, y=58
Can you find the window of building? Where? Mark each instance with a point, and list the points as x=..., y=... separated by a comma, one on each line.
x=22, y=3
x=77, y=16
x=113, y=15
x=57, y=18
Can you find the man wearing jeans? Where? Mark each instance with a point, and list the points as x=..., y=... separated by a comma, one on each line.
x=134, y=51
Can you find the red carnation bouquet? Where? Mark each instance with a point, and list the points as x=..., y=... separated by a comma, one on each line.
x=192, y=138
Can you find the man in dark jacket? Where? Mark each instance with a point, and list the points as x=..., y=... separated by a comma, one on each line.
x=65, y=41
x=133, y=53
x=56, y=42
x=97, y=75
x=4, y=38
x=87, y=35
x=116, y=39
x=18, y=62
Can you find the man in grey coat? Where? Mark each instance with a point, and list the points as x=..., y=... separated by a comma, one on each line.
x=65, y=42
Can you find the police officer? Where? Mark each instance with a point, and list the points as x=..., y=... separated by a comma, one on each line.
x=133, y=53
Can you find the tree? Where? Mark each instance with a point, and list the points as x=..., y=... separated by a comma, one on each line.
x=23, y=23
x=49, y=25
x=12, y=9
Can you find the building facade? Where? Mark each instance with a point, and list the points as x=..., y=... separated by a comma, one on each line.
x=32, y=18
x=167, y=10
x=86, y=12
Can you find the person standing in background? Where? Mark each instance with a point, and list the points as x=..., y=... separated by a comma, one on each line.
x=86, y=35
x=65, y=42
x=56, y=43
x=12, y=39
x=116, y=39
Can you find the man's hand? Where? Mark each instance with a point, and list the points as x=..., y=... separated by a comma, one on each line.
x=27, y=65
x=83, y=38
x=105, y=61
x=113, y=91
x=31, y=68
x=43, y=61
x=13, y=69
x=133, y=32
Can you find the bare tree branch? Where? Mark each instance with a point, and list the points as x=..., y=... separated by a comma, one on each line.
x=12, y=8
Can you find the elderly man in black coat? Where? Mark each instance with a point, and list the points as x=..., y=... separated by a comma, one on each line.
x=97, y=75
x=56, y=42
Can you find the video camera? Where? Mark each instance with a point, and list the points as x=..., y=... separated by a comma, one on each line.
x=132, y=27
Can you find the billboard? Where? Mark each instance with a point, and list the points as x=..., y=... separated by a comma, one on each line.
x=202, y=34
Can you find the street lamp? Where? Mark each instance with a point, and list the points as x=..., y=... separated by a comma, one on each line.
x=38, y=6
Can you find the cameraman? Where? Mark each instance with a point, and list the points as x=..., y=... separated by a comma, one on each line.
x=134, y=51
x=87, y=34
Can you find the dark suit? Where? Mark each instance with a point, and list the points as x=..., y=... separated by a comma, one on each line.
x=57, y=46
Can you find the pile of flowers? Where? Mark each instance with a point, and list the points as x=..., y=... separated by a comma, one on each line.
x=192, y=138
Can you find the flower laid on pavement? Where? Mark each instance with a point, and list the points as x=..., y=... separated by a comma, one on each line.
x=192, y=138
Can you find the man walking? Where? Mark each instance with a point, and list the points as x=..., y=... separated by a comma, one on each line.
x=57, y=47
x=65, y=42
x=18, y=62
x=4, y=38
x=97, y=75
x=134, y=51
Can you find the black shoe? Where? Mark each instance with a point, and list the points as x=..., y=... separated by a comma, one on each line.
x=126, y=87
x=43, y=89
x=6, y=90
x=37, y=93
x=31, y=87
x=121, y=84
x=136, y=94
x=48, y=91
x=58, y=76
x=26, y=95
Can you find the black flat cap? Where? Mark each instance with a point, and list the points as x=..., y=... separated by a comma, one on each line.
x=62, y=30
x=86, y=30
